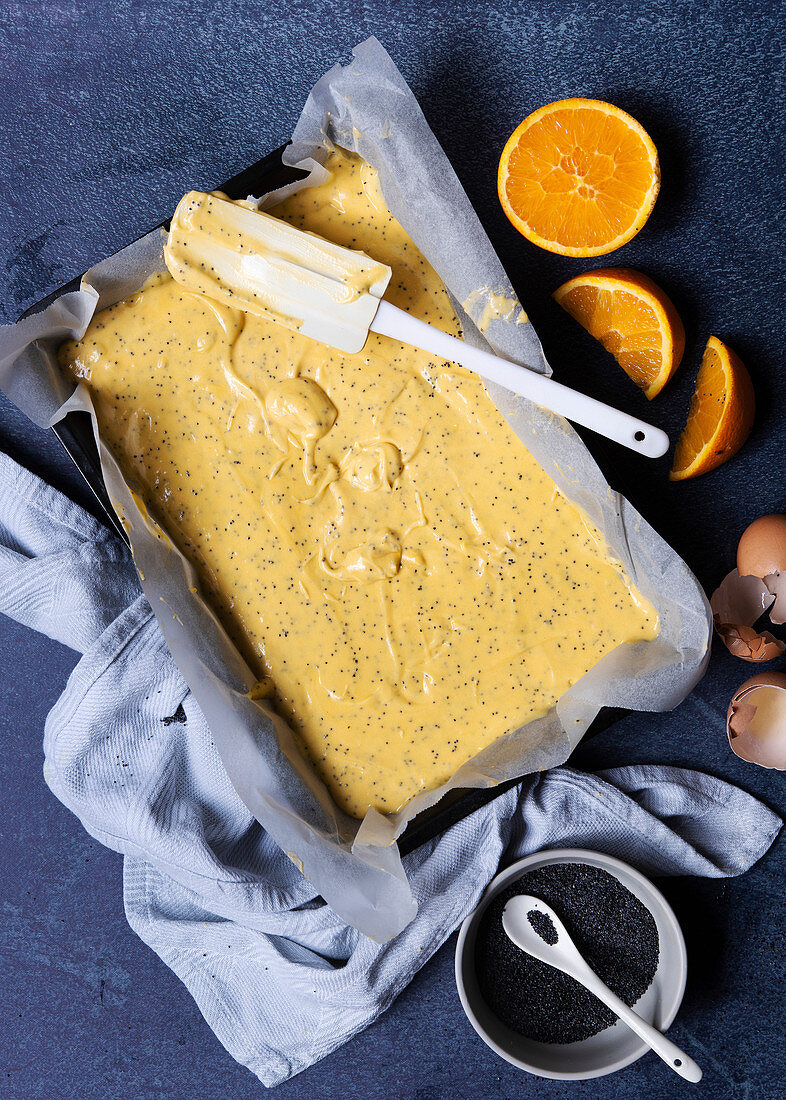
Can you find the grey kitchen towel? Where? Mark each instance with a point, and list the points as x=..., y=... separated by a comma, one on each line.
x=279, y=978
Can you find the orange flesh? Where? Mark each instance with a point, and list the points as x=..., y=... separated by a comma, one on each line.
x=633, y=319
x=579, y=180
x=626, y=327
x=706, y=409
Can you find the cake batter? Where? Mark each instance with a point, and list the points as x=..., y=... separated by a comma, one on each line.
x=405, y=580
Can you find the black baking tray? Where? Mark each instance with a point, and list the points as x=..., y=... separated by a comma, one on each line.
x=75, y=432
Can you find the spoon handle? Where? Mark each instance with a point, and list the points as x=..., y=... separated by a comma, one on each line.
x=663, y=1047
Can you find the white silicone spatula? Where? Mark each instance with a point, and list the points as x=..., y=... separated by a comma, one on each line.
x=535, y=928
x=257, y=263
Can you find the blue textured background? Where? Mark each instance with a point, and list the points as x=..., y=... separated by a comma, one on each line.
x=109, y=112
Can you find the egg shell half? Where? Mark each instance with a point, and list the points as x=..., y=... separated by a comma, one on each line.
x=756, y=721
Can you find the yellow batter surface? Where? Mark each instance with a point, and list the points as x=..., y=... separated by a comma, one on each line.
x=391, y=560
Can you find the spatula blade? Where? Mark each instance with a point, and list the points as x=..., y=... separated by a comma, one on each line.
x=252, y=261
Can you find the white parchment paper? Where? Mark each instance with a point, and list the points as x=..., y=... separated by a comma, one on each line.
x=367, y=107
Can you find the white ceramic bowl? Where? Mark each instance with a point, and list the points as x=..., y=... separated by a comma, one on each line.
x=611, y=1049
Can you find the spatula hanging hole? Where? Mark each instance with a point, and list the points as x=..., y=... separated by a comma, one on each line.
x=638, y=436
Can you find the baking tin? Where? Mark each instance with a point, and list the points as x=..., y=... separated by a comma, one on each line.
x=75, y=432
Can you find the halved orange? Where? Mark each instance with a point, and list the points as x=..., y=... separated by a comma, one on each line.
x=633, y=319
x=579, y=177
x=720, y=416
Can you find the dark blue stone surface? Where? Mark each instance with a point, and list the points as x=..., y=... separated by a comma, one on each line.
x=109, y=112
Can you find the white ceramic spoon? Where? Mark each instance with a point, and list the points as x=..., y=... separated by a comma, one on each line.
x=563, y=955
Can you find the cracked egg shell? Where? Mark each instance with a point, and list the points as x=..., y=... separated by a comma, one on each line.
x=761, y=552
x=756, y=586
x=736, y=605
x=756, y=720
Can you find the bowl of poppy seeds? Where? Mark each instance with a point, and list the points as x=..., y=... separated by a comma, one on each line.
x=544, y=1021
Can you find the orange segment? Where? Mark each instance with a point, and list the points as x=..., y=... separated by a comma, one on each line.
x=633, y=319
x=579, y=177
x=720, y=416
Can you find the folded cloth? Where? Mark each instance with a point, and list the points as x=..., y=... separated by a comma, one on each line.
x=278, y=976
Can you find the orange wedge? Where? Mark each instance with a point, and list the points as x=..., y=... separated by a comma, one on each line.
x=632, y=318
x=720, y=416
x=579, y=177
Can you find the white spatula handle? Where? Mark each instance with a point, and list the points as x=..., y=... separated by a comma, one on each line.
x=603, y=419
